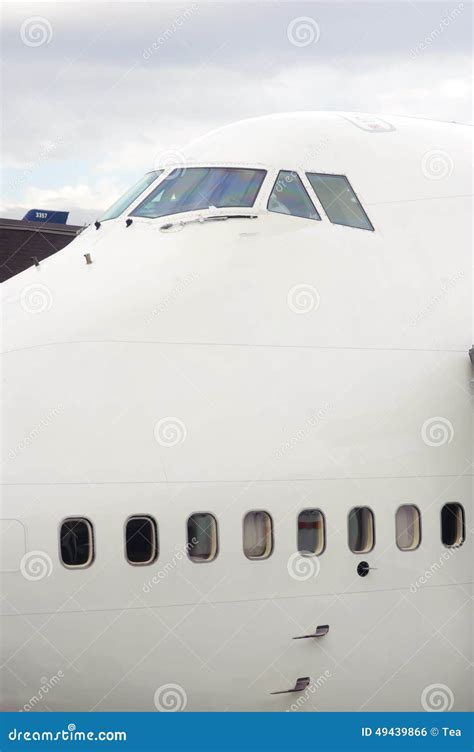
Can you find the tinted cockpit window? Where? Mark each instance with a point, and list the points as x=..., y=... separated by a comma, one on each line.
x=289, y=196
x=196, y=188
x=129, y=197
x=339, y=200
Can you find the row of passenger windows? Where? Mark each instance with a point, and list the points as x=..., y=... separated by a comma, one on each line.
x=197, y=188
x=141, y=534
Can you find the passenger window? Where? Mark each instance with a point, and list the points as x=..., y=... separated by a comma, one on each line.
x=452, y=525
x=408, y=527
x=339, y=200
x=311, y=532
x=202, y=537
x=361, y=530
x=141, y=540
x=258, y=535
x=76, y=542
x=289, y=196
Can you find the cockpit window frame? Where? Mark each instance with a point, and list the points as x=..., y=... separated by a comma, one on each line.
x=370, y=228
x=222, y=210
x=132, y=204
x=318, y=218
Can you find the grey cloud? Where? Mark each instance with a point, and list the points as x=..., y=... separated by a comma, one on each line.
x=119, y=82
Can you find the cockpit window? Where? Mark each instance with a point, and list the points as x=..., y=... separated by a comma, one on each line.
x=194, y=188
x=339, y=200
x=129, y=197
x=289, y=196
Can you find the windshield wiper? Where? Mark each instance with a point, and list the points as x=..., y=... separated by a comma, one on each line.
x=212, y=218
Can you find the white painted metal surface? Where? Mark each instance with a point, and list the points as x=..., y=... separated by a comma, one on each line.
x=301, y=364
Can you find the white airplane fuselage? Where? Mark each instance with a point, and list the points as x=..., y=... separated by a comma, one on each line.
x=295, y=364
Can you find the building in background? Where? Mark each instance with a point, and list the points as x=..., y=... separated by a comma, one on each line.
x=25, y=242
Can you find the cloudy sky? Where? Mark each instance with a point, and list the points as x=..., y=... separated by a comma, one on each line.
x=95, y=94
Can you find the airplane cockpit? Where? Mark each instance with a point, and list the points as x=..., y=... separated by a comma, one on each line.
x=237, y=429
x=223, y=191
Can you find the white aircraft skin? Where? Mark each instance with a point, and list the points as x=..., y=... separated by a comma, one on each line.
x=302, y=364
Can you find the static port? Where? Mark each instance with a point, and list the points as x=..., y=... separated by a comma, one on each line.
x=363, y=569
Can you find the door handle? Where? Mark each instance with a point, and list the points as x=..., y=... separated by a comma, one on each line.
x=321, y=630
x=300, y=685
